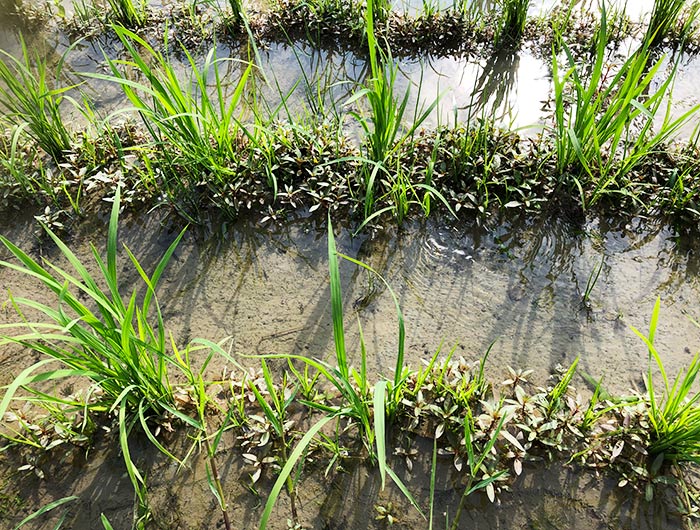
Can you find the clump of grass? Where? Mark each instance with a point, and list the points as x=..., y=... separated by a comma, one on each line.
x=675, y=414
x=31, y=102
x=130, y=13
x=196, y=132
x=119, y=345
x=606, y=129
x=385, y=133
x=512, y=23
x=663, y=20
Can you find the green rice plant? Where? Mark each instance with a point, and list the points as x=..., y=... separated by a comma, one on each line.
x=553, y=399
x=276, y=414
x=24, y=169
x=663, y=20
x=380, y=11
x=45, y=509
x=86, y=12
x=475, y=13
x=608, y=127
x=433, y=470
x=197, y=132
x=371, y=407
x=590, y=284
x=31, y=102
x=130, y=13
x=117, y=344
x=682, y=185
x=674, y=415
x=512, y=23
x=289, y=466
x=305, y=380
x=384, y=130
x=430, y=8
x=237, y=11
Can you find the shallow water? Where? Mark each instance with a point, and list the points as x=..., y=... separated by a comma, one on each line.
x=297, y=81
x=516, y=281
x=520, y=285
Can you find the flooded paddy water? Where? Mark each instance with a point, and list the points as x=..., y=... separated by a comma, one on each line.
x=517, y=282
x=525, y=290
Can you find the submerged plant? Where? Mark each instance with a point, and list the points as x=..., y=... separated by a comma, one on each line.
x=590, y=284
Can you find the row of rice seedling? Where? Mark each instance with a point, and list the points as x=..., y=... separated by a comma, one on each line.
x=666, y=16
x=605, y=120
x=30, y=101
x=212, y=145
x=133, y=371
x=503, y=23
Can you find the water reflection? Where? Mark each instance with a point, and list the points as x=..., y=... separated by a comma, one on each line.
x=508, y=87
x=516, y=281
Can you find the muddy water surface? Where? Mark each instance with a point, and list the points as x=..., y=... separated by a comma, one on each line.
x=518, y=282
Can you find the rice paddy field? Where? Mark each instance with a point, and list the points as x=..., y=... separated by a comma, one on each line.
x=342, y=264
